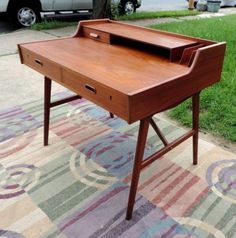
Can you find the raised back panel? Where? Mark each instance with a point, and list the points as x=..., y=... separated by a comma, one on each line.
x=157, y=42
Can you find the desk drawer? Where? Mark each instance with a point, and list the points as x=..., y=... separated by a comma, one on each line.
x=101, y=95
x=96, y=35
x=42, y=65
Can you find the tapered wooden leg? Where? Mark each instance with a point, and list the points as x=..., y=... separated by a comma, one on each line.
x=47, y=100
x=195, y=105
x=111, y=115
x=142, y=137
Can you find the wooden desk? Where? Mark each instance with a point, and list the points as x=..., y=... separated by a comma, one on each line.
x=132, y=72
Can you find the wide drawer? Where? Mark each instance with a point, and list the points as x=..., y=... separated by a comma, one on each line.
x=101, y=95
x=96, y=35
x=40, y=64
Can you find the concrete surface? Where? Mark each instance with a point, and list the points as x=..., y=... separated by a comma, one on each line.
x=67, y=31
x=9, y=41
x=20, y=84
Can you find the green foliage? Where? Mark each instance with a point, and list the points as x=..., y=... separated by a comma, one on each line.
x=218, y=103
x=114, y=11
x=53, y=24
x=157, y=14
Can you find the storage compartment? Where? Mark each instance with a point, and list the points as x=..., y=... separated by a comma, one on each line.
x=109, y=99
x=173, y=54
x=40, y=64
x=96, y=35
x=141, y=46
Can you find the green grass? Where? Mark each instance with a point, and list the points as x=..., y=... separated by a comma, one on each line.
x=218, y=103
x=52, y=24
x=159, y=14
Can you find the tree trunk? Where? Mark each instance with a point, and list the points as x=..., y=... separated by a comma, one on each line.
x=101, y=9
x=191, y=4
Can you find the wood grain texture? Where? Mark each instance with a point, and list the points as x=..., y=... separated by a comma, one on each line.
x=131, y=71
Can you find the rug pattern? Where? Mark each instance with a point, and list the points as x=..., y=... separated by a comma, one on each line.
x=78, y=185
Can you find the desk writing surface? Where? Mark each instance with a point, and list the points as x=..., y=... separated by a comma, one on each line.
x=125, y=70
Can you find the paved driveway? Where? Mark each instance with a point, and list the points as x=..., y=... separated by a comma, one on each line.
x=5, y=25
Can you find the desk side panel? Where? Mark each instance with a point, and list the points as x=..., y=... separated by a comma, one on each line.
x=205, y=70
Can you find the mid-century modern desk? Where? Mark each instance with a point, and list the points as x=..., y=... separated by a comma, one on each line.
x=130, y=71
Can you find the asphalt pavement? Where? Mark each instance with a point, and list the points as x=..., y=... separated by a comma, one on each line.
x=7, y=26
x=157, y=5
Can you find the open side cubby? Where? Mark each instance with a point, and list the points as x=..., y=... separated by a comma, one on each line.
x=141, y=46
x=182, y=55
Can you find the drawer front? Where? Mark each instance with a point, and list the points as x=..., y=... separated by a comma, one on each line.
x=42, y=65
x=96, y=35
x=105, y=97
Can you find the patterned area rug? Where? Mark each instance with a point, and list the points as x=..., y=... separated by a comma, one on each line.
x=78, y=185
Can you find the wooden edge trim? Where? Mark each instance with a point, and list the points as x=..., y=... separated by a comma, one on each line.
x=187, y=54
x=202, y=50
x=39, y=41
x=20, y=53
x=78, y=31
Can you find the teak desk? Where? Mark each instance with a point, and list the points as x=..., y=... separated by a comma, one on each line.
x=130, y=71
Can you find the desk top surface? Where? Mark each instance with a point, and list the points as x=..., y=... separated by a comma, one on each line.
x=119, y=67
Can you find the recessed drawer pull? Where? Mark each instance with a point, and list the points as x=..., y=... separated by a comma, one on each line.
x=94, y=35
x=37, y=61
x=91, y=88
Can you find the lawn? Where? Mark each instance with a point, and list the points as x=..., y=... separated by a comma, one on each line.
x=52, y=24
x=218, y=103
x=157, y=14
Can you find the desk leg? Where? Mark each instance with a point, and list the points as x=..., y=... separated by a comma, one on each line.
x=195, y=105
x=111, y=115
x=47, y=101
x=139, y=163
x=142, y=137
